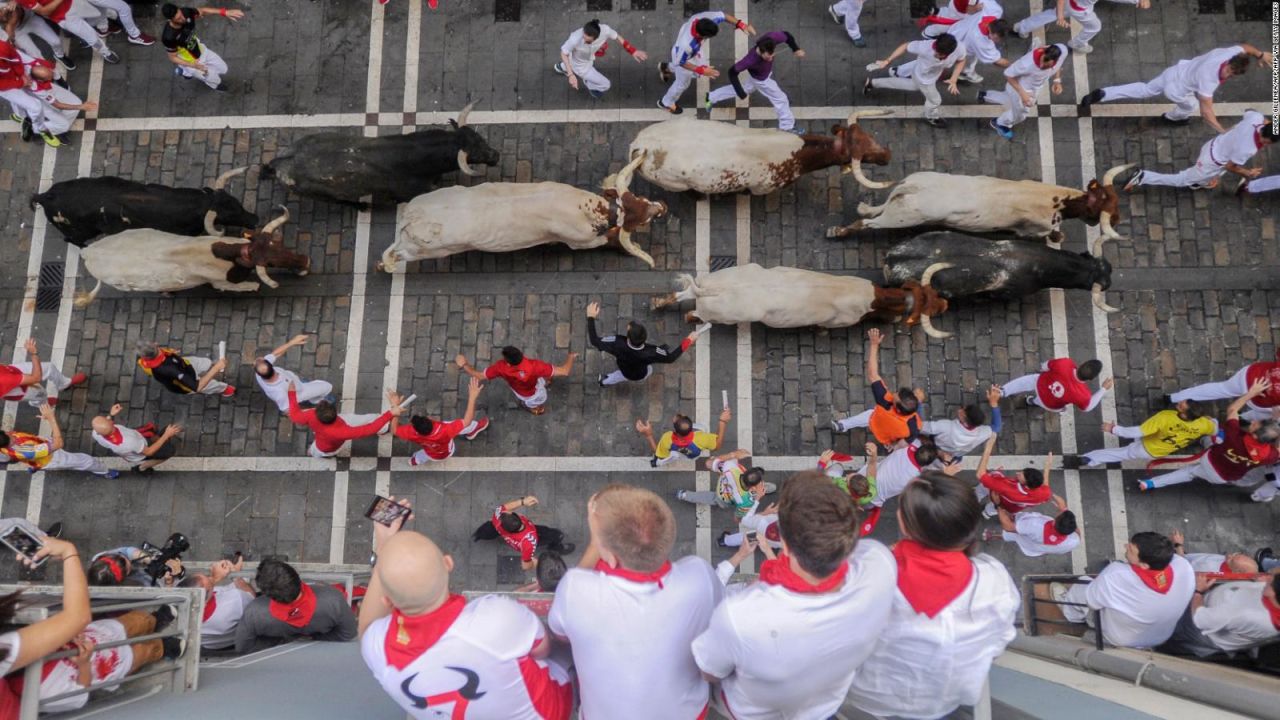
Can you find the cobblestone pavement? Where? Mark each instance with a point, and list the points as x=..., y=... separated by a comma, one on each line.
x=1194, y=278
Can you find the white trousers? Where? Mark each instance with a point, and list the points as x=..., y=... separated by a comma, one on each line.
x=1264, y=184
x=678, y=86
x=537, y=399
x=352, y=419
x=35, y=396
x=1186, y=105
x=56, y=120
x=215, y=68
x=78, y=26
x=1090, y=25
x=1202, y=469
x=861, y=420
x=769, y=89
x=1133, y=451
x=850, y=10
x=63, y=460
x=903, y=78
x=33, y=26
x=591, y=77
x=25, y=105
x=1027, y=384
x=1232, y=388
x=1205, y=171
x=617, y=378
x=1014, y=111
x=1076, y=594
x=201, y=366
x=120, y=10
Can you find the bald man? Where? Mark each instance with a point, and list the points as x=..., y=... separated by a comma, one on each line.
x=434, y=652
x=141, y=448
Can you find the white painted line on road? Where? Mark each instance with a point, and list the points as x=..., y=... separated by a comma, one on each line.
x=412, y=51
x=338, y=531
x=702, y=374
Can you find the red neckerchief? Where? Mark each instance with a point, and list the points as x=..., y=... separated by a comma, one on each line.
x=633, y=576
x=962, y=6
x=408, y=636
x=297, y=613
x=931, y=579
x=1074, y=6
x=1052, y=536
x=210, y=605
x=1036, y=55
x=683, y=441
x=1225, y=567
x=984, y=25
x=1158, y=580
x=869, y=522
x=155, y=362
x=935, y=20
x=1257, y=137
x=114, y=437
x=778, y=572
x=1273, y=610
x=1257, y=450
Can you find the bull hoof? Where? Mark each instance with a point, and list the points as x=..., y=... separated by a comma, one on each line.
x=837, y=232
x=691, y=318
x=658, y=302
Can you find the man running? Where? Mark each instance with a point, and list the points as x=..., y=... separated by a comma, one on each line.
x=684, y=439
x=687, y=58
x=527, y=377
x=578, y=56
x=59, y=106
x=635, y=357
x=275, y=380
x=192, y=57
x=435, y=437
x=1082, y=11
x=738, y=488
x=142, y=448
x=923, y=73
x=758, y=65
x=1259, y=408
x=70, y=15
x=183, y=375
x=846, y=13
x=1036, y=534
x=25, y=381
x=1229, y=152
x=38, y=453
x=333, y=431
x=1059, y=384
x=120, y=12
x=1163, y=434
x=1024, y=80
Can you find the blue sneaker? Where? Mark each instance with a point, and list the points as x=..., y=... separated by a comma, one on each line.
x=1145, y=485
x=1002, y=131
x=597, y=94
x=112, y=474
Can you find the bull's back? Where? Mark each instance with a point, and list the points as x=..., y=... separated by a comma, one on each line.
x=782, y=297
x=980, y=267
x=155, y=261
x=713, y=157
x=977, y=203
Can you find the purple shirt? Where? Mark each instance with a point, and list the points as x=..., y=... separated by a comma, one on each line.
x=755, y=64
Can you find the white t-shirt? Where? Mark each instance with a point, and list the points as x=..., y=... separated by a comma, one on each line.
x=131, y=444
x=1030, y=536
x=107, y=665
x=926, y=667
x=955, y=438
x=687, y=49
x=1134, y=615
x=1237, y=145
x=1199, y=75
x=219, y=631
x=989, y=8
x=484, y=653
x=631, y=640
x=583, y=54
x=1205, y=562
x=1234, y=618
x=894, y=472
x=1030, y=75
x=783, y=654
x=980, y=48
x=928, y=68
x=278, y=390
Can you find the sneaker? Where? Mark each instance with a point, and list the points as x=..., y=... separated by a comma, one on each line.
x=835, y=17
x=664, y=72
x=165, y=615
x=720, y=540
x=102, y=31
x=28, y=132
x=937, y=122
x=222, y=87
x=1072, y=462
x=112, y=474
x=1002, y=131
x=559, y=68
x=565, y=548
x=481, y=425
x=1082, y=48
x=55, y=530
x=1242, y=187
x=835, y=427
x=1165, y=117
x=595, y=94
x=1021, y=33
x=1263, y=555
x=78, y=379
x=1145, y=485
x=1134, y=181
x=674, y=109
x=65, y=139
x=1092, y=97
x=680, y=494
x=795, y=131
x=110, y=58
x=708, y=105
x=114, y=27
x=173, y=647
x=138, y=469
x=16, y=118
x=1258, y=498
x=51, y=140
x=67, y=63
x=1030, y=402
x=975, y=78
x=859, y=42
x=982, y=96
x=989, y=511
x=867, y=87
x=229, y=391
x=142, y=39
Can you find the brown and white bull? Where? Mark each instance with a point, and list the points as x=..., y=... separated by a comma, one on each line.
x=147, y=260
x=503, y=217
x=787, y=297
x=980, y=204
x=712, y=157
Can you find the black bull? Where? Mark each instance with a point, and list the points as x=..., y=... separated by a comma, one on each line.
x=86, y=208
x=995, y=269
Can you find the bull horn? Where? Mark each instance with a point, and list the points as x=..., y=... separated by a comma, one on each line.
x=622, y=181
x=1097, y=244
x=1101, y=301
x=209, y=227
x=275, y=224
x=853, y=117
x=926, y=322
x=462, y=116
x=463, y=166
x=1109, y=179
x=83, y=299
x=927, y=278
x=222, y=180
x=264, y=277
x=624, y=239
x=1108, y=232
x=855, y=167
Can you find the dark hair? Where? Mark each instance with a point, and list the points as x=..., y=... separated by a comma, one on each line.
x=1196, y=409
x=592, y=28
x=147, y=349
x=8, y=608
x=1065, y=523
x=926, y=454
x=1053, y=52
x=1267, y=431
x=1239, y=63
x=683, y=425
x=906, y=401
x=1032, y=478
x=511, y=522
x=168, y=10
x=1154, y=549
x=974, y=415
x=512, y=354
x=636, y=334
x=858, y=485
x=940, y=512
x=422, y=425
x=706, y=28
x=108, y=570
x=190, y=581
x=1275, y=584
x=818, y=522
x=551, y=568
x=752, y=477
x=1089, y=369
x=766, y=45
x=278, y=580
x=1268, y=132
x=999, y=28
x=326, y=412
x=257, y=368
x=945, y=44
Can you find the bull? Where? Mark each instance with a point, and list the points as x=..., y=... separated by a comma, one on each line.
x=786, y=297
x=503, y=217
x=712, y=157
x=982, y=204
x=394, y=168
x=155, y=261
x=965, y=266
x=84, y=208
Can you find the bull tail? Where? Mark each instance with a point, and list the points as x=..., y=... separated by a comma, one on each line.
x=83, y=299
x=37, y=199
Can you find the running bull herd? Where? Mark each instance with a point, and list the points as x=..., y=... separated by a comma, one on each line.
x=152, y=238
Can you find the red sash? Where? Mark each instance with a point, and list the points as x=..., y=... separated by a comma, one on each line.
x=778, y=572
x=1273, y=610
x=1075, y=7
x=633, y=576
x=297, y=613
x=931, y=579
x=869, y=522
x=115, y=437
x=1158, y=580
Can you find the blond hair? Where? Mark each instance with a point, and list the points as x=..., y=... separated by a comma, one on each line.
x=635, y=525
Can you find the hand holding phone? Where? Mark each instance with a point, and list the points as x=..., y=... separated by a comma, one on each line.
x=24, y=539
x=386, y=511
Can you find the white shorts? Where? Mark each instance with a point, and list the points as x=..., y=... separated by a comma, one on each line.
x=537, y=399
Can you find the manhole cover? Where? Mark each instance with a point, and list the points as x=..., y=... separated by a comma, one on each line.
x=506, y=11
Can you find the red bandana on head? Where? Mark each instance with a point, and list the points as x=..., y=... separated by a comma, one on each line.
x=778, y=572
x=411, y=635
x=1158, y=580
x=633, y=576
x=1038, y=55
x=771, y=533
x=1273, y=610
x=985, y=24
x=1052, y=536
x=297, y=613
x=931, y=579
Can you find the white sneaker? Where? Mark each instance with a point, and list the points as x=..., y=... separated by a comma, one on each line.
x=1084, y=48
x=835, y=427
x=1058, y=591
x=834, y=16
x=989, y=511
x=1256, y=498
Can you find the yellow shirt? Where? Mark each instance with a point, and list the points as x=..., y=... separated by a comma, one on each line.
x=702, y=441
x=1165, y=433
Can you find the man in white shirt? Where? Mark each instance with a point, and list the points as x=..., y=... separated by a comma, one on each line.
x=1025, y=78
x=1190, y=84
x=968, y=431
x=274, y=380
x=1082, y=11
x=631, y=614
x=1237, y=562
x=922, y=74
x=1036, y=534
x=1141, y=599
x=59, y=106
x=223, y=604
x=1228, y=617
x=689, y=57
x=981, y=35
x=901, y=467
x=815, y=612
x=578, y=56
x=141, y=448
x=1228, y=152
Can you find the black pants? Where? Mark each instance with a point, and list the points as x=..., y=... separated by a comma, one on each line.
x=548, y=537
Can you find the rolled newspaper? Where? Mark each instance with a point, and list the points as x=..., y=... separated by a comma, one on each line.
x=724, y=398
x=407, y=401
x=222, y=349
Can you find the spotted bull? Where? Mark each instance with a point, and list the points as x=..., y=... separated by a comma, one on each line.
x=713, y=157
x=975, y=203
x=503, y=217
x=786, y=297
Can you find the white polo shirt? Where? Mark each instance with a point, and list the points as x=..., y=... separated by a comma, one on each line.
x=1035, y=536
x=928, y=68
x=1134, y=615
x=278, y=390
x=955, y=438
x=784, y=654
x=582, y=54
x=631, y=640
x=130, y=446
x=219, y=627
x=1199, y=75
x=1206, y=562
x=894, y=472
x=1237, y=145
x=979, y=47
x=1030, y=75
x=1234, y=618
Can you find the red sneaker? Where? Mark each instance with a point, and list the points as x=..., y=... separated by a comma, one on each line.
x=432, y=4
x=78, y=379
x=413, y=460
x=481, y=425
x=231, y=390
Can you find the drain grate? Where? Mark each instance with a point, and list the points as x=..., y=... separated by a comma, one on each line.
x=599, y=5
x=644, y=4
x=1253, y=10
x=49, y=291
x=1212, y=7
x=720, y=262
x=692, y=7
x=920, y=8
x=509, y=11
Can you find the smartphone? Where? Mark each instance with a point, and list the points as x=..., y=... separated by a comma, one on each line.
x=22, y=541
x=750, y=537
x=385, y=511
